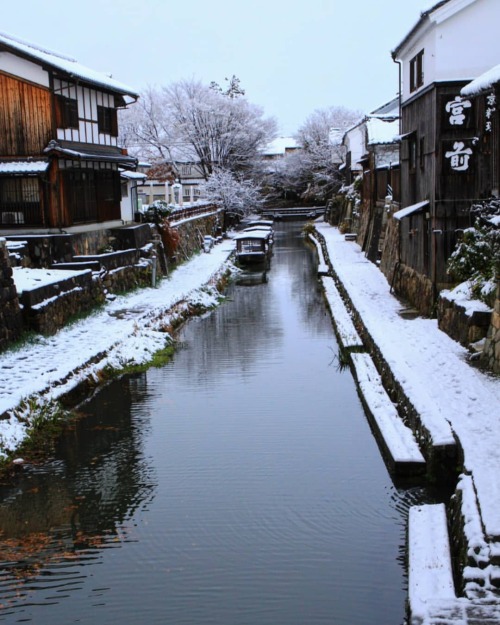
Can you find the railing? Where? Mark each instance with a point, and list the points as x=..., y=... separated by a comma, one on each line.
x=179, y=214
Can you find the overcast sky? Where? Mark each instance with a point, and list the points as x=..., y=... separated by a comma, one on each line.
x=292, y=56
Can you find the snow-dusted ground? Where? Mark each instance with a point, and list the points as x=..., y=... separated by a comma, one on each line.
x=126, y=330
x=433, y=370
x=451, y=396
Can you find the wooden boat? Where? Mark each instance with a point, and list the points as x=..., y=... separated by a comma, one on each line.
x=254, y=247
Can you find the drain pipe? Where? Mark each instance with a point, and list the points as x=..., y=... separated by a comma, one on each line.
x=153, y=272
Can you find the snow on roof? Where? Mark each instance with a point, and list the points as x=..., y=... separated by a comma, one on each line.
x=382, y=131
x=409, y=210
x=23, y=167
x=254, y=234
x=482, y=83
x=132, y=175
x=65, y=64
x=390, y=109
x=279, y=146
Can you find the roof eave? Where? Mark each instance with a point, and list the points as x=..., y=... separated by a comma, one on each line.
x=423, y=17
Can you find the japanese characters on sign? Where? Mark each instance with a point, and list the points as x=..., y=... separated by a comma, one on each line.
x=459, y=156
x=491, y=101
x=457, y=110
x=458, y=117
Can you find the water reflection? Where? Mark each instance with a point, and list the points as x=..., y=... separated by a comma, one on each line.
x=57, y=517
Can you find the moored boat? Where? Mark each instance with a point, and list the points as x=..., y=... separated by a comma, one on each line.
x=254, y=247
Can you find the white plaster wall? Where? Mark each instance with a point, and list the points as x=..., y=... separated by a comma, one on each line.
x=88, y=100
x=17, y=66
x=426, y=41
x=468, y=44
x=126, y=212
x=457, y=47
x=355, y=143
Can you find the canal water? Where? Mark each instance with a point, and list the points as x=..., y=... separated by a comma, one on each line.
x=238, y=485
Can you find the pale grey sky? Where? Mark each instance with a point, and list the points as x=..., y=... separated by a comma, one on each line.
x=292, y=56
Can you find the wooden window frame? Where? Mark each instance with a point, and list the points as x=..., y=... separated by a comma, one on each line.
x=66, y=112
x=421, y=152
x=417, y=71
x=412, y=153
x=107, y=121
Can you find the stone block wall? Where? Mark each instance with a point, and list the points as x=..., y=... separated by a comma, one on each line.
x=11, y=320
x=414, y=288
x=390, y=247
x=192, y=233
x=491, y=353
x=50, y=315
x=463, y=326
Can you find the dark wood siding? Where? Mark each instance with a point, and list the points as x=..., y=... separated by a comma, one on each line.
x=419, y=129
x=433, y=131
x=25, y=117
x=90, y=195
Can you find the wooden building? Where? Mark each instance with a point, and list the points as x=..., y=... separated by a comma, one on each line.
x=372, y=154
x=484, y=92
x=59, y=153
x=451, y=43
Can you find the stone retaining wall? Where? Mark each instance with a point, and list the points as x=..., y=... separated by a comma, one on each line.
x=459, y=324
x=11, y=320
x=491, y=353
x=49, y=315
x=442, y=461
x=121, y=260
x=414, y=287
x=192, y=232
x=390, y=248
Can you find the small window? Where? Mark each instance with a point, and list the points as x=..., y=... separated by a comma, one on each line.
x=412, y=153
x=66, y=112
x=417, y=71
x=421, y=153
x=107, y=121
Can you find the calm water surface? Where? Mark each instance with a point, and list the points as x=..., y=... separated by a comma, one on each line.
x=239, y=485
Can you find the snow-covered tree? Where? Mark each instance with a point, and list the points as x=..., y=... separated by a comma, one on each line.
x=237, y=196
x=192, y=121
x=146, y=128
x=286, y=178
x=321, y=138
x=312, y=173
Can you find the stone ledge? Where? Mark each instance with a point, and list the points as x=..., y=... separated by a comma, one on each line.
x=461, y=324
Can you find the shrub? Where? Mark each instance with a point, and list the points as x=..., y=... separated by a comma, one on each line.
x=476, y=258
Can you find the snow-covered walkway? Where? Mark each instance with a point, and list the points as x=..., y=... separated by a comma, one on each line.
x=128, y=328
x=432, y=368
x=452, y=398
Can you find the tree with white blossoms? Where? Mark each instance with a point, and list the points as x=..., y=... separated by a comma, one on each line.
x=191, y=121
x=321, y=139
x=238, y=197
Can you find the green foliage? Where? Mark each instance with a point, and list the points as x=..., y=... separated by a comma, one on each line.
x=36, y=412
x=476, y=258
